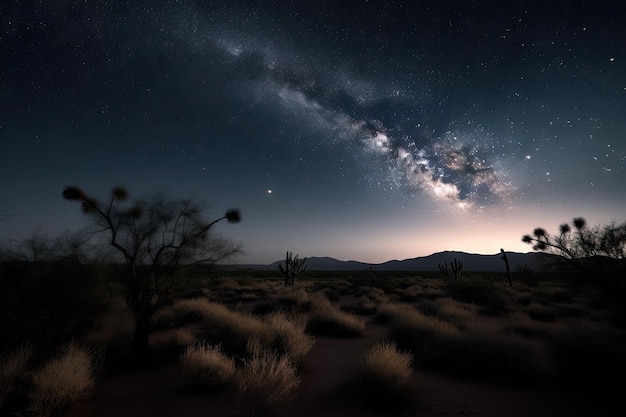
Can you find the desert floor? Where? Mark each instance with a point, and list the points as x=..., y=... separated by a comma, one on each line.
x=157, y=391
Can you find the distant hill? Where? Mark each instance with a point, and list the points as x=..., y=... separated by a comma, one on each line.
x=471, y=262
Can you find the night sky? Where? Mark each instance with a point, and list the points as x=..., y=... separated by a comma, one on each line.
x=367, y=131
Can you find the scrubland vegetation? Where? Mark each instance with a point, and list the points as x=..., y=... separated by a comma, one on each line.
x=246, y=334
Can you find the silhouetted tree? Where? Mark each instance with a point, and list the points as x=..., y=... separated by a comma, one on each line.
x=579, y=241
x=155, y=238
x=597, y=254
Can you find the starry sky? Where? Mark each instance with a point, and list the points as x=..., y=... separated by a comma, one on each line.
x=366, y=131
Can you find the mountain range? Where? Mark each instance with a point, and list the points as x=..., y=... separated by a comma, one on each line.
x=470, y=261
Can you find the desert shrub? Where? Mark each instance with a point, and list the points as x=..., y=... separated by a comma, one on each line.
x=184, y=311
x=382, y=377
x=229, y=328
x=13, y=376
x=451, y=310
x=327, y=320
x=287, y=337
x=285, y=299
x=522, y=325
x=364, y=306
x=478, y=356
x=206, y=366
x=184, y=337
x=294, y=301
x=491, y=298
x=588, y=355
x=541, y=312
x=63, y=381
x=386, y=311
x=233, y=330
x=385, y=365
x=265, y=379
x=410, y=328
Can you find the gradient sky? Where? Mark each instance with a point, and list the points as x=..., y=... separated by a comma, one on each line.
x=372, y=131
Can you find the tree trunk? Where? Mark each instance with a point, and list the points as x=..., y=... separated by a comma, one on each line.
x=140, y=349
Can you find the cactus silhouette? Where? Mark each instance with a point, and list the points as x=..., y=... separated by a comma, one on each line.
x=454, y=270
x=293, y=268
x=508, y=267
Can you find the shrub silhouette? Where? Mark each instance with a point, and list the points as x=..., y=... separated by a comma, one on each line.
x=595, y=254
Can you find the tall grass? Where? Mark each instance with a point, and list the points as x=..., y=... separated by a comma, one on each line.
x=266, y=379
x=63, y=381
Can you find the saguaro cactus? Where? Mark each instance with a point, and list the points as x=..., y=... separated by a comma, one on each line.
x=508, y=267
x=454, y=270
x=293, y=268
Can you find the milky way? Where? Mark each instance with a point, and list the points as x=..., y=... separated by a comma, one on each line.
x=454, y=168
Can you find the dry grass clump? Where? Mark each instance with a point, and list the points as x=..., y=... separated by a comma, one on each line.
x=184, y=337
x=455, y=311
x=386, y=367
x=206, y=366
x=382, y=378
x=492, y=297
x=63, y=381
x=292, y=300
x=520, y=324
x=13, y=369
x=410, y=328
x=231, y=329
x=266, y=379
x=387, y=311
x=287, y=336
x=327, y=320
x=364, y=305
